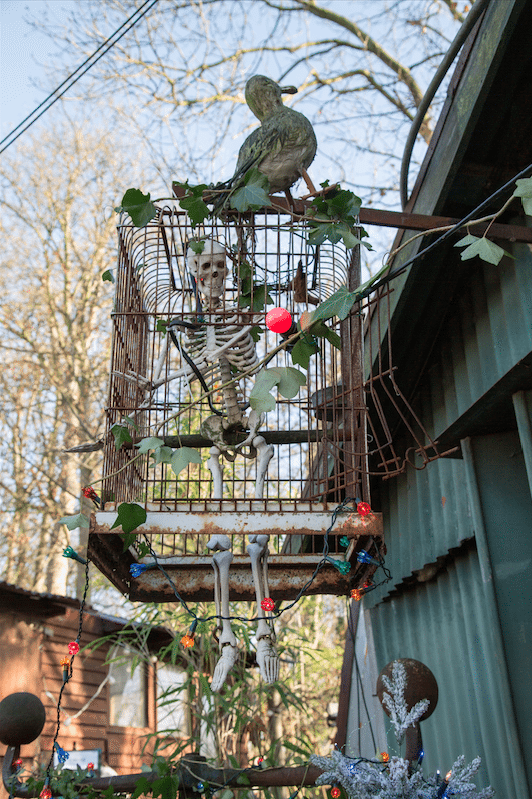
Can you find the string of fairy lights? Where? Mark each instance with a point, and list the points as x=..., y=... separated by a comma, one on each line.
x=268, y=605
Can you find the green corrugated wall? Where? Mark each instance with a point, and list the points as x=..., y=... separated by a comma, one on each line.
x=459, y=539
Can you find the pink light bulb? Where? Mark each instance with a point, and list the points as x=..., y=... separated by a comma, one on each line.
x=278, y=320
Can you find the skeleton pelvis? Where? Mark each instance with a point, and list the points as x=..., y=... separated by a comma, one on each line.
x=225, y=436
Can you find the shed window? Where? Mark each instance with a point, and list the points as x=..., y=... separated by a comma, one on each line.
x=127, y=689
x=172, y=717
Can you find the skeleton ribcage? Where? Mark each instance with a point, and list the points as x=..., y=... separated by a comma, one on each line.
x=204, y=345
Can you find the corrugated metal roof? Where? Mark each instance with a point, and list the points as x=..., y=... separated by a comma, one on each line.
x=426, y=515
x=489, y=332
x=443, y=623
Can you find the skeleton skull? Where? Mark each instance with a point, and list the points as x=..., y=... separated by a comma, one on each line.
x=210, y=270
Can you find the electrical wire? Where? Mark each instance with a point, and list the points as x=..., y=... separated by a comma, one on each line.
x=343, y=507
x=428, y=97
x=137, y=14
x=526, y=172
x=188, y=359
x=69, y=674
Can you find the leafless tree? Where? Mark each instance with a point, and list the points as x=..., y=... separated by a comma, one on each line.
x=57, y=228
x=361, y=68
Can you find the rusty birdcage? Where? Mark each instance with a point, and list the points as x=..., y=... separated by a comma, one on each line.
x=325, y=441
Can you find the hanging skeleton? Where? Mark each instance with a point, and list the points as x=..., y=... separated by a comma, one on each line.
x=224, y=340
x=223, y=345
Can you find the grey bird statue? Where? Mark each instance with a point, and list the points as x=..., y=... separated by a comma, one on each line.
x=284, y=145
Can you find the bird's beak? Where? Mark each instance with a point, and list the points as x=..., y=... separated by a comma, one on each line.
x=288, y=90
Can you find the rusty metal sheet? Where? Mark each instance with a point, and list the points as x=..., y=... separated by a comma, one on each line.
x=248, y=522
x=194, y=579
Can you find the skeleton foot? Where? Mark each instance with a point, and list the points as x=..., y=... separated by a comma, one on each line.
x=223, y=667
x=221, y=561
x=267, y=657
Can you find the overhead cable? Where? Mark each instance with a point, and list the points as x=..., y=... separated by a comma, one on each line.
x=433, y=87
x=74, y=76
x=398, y=270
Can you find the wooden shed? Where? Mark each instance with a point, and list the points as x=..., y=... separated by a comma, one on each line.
x=106, y=708
x=459, y=533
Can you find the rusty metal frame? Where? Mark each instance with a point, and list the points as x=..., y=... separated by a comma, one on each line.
x=342, y=432
x=191, y=770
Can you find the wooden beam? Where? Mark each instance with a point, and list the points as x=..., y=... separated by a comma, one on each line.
x=404, y=220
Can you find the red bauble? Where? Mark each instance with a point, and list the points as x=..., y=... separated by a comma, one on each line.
x=335, y=792
x=73, y=648
x=278, y=320
x=363, y=508
x=267, y=603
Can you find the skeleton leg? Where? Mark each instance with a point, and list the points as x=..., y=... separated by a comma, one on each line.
x=264, y=456
x=253, y=423
x=216, y=470
x=264, y=450
x=221, y=560
x=267, y=657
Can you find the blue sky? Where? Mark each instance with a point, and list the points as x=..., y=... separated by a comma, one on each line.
x=23, y=51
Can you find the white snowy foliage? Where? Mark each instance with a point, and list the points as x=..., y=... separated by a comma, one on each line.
x=365, y=779
x=362, y=779
x=400, y=716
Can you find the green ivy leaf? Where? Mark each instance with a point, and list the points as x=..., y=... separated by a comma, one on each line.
x=260, y=298
x=485, y=249
x=261, y=400
x=321, y=231
x=286, y=378
x=524, y=190
x=108, y=275
x=161, y=325
x=143, y=549
x=350, y=239
x=342, y=204
x=127, y=539
x=197, y=246
x=193, y=203
x=73, y=522
x=128, y=420
x=182, y=457
x=290, y=380
x=142, y=786
x=256, y=332
x=121, y=434
x=149, y=443
x=253, y=195
x=196, y=209
x=322, y=331
x=338, y=304
x=469, y=239
x=139, y=207
x=162, y=455
x=130, y=516
x=303, y=351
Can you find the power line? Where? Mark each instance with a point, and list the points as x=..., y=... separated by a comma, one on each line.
x=109, y=41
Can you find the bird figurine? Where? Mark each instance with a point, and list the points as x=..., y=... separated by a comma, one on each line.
x=284, y=145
